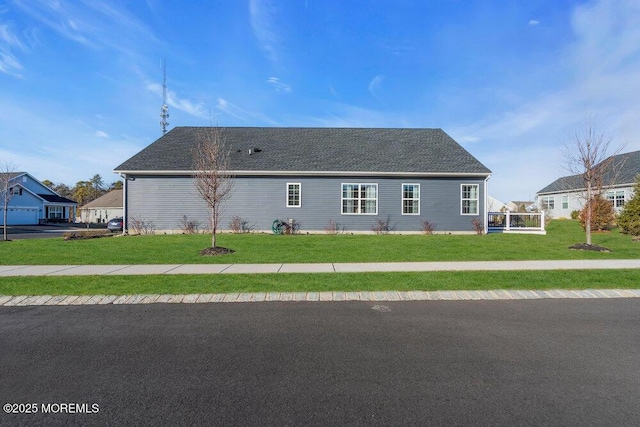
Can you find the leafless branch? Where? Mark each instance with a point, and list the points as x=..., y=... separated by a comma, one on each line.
x=212, y=177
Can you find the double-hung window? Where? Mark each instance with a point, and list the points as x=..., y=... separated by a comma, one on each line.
x=548, y=203
x=359, y=199
x=410, y=199
x=294, y=195
x=565, y=202
x=470, y=196
x=616, y=198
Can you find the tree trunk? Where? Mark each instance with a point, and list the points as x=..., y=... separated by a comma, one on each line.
x=589, y=213
x=214, y=227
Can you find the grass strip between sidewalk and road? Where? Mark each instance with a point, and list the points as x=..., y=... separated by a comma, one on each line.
x=320, y=282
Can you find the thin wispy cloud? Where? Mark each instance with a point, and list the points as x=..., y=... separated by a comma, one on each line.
x=277, y=85
x=534, y=22
x=9, y=41
x=91, y=24
x=244, y=115
x=604, y=63
x=374, y=85
x=231, y=109
x=173, y=100
x=102, y=134
x=261, y=13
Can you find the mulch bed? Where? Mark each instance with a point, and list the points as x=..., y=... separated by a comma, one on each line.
x=216, y=251
x=586, y=247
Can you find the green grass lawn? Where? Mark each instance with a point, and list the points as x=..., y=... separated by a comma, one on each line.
x=263, y=248
x=267, y=248
x=203, y=284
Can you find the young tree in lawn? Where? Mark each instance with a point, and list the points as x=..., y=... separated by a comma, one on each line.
x=212, y=177
x=589, y=156
x=6, y=173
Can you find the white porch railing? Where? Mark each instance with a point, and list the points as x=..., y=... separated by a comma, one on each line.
x=516, y=222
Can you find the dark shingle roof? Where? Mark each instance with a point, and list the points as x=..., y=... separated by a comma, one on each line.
x=315, y=150
x=623, y=170
x=54, y=198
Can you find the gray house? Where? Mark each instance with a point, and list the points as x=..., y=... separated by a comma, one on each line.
x=568, y=193
x=355, y=177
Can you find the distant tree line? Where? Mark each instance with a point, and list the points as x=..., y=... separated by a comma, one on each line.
x=84, y=191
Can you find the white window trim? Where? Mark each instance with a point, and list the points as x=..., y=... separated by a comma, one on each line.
x=462, y=200
x=544, y=203
x=342, y=199
x=402, y=199
x=564, y=200
x=299, y=184
x=612, y=196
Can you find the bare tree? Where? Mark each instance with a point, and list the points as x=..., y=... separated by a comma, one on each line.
x=212, y=177
x=7, y=171
x=589, y=156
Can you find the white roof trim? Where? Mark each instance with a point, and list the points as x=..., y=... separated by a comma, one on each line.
x=310, y=173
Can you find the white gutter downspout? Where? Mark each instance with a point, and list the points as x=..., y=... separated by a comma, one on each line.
x=486, y=204
x=124, y=203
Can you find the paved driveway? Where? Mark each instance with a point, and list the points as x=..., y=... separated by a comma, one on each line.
x=543, y=362
x=17, y=232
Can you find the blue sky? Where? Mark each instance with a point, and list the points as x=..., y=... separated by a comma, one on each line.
x=511, y=80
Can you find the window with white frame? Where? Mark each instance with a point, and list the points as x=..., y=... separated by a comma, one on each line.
x=359, y=199
x=410, y=199
x=616, y=198
x=56, y=212
x=294, y=196
x=565, y=202
x=548, y=203
x=470, y=195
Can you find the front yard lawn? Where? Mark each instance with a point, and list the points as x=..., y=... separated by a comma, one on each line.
x=267, y=248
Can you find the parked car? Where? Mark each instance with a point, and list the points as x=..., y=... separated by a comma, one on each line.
x=114, y=225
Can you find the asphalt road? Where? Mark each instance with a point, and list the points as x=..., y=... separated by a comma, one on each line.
x=544, y=362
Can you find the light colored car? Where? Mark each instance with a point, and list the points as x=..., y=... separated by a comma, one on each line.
x=114, y=225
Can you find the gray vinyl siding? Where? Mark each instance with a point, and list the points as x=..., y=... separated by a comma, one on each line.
x=260, y=200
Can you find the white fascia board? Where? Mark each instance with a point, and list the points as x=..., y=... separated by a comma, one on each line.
x=311, y=173
x=582, y=190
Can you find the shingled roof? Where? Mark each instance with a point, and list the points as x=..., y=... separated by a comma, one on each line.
x=309, y=150
x=623, y=170
x=112, y=199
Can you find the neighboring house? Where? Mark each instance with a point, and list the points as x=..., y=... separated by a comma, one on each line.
x=356, y=177
x=33, y=202
x=495, y=205
x=567, y=194
x=521, y=206
x=103, y=208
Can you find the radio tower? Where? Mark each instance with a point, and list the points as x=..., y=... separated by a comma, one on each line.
x=164, y=111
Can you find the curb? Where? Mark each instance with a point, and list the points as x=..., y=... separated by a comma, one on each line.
x=382, y=296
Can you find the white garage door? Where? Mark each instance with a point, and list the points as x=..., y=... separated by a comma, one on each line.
x=21, y=216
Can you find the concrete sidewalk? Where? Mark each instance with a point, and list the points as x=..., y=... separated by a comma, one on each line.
x=381, y=296
x=173, y=269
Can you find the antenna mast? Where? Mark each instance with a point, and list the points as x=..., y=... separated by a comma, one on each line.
x=164, y=111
